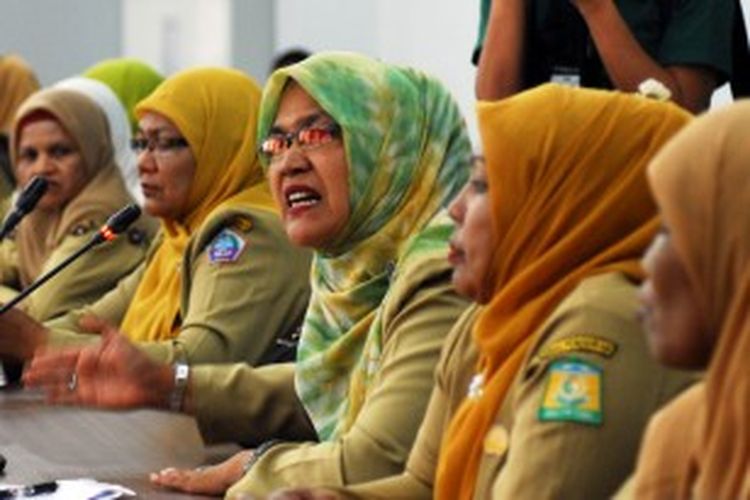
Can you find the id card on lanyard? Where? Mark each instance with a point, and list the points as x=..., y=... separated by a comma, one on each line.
x=566, y=75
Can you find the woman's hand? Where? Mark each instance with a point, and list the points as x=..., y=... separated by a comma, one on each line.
x=111, y=374
x=212, y=480
x=20, y=334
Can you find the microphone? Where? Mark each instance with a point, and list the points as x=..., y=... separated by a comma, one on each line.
x=115, y=225
x=25, y=203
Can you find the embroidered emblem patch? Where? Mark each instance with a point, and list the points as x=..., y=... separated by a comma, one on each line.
x=578, y=343
x=573, y=393
x=496, y=440
x=226, y=247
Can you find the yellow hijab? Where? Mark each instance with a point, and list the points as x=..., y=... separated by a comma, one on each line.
x=216, y=111
x=700, y=181
x=17, y=82
x=42, y=231
x=570, y=200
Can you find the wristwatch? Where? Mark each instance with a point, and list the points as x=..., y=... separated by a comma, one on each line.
x=181, y=374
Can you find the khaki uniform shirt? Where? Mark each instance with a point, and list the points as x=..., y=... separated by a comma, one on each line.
x=85, y=280
x=537, y=449
x=230, y=311
x=417, y=318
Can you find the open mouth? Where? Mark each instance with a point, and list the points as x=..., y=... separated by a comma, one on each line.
x=301, y=197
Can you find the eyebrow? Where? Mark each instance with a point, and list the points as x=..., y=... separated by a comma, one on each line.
x=299, y=123
x=155, y=131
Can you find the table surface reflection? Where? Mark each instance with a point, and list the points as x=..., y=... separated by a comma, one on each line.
x=42, y=443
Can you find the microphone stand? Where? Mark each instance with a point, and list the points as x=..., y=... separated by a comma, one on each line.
x=43, y=279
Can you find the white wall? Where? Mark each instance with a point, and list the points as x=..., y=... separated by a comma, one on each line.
x=434, y=35
x=176, y=34
x=60, y=38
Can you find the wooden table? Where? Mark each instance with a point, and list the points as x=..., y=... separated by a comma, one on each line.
x=43, y=442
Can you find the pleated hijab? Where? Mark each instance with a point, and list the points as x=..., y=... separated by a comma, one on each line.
x=408, y=155
x=700, y=181
x=566, y=171
x=216, y=111
x=104, y=192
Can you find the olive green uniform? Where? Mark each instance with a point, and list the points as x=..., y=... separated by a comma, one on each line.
x=231, y=311
x=253, y=405
x=537, y=450
x=85, y=280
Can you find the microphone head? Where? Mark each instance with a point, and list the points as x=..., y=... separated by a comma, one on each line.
x=120, y=221
x=31, y=194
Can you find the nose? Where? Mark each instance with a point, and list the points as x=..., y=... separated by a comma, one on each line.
x=457, y=208
x=145, y=161
x=43, y=165
x=290, y=163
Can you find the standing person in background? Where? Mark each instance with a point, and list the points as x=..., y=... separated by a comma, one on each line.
x=221, y=282
x=696, y=310
x=64, y=137
x=684, y=44
x=131, y=80
x=119, y=128
x=17, y=82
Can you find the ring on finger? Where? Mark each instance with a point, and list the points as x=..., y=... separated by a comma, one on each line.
x=73, y=382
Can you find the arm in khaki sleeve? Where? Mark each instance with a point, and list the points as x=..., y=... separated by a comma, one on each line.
x=249, y=405
x=85, y=280
x=382, y=434
x=234, y=311
x=10, y=280
x=452, y=377
x=586, y=461
x=111, y=308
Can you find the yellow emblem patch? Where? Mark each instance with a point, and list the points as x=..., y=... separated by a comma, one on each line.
x=578, y=343
x=573, y=393
x=242, y=224
x=496, y=440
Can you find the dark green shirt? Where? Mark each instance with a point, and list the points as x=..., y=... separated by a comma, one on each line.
x=673, y=32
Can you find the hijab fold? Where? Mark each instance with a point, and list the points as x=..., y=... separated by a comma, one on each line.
x=569, y=200
x=216, y=111
x=104, y=192
x=119, y=128
x=408, y=154
x=700, y=181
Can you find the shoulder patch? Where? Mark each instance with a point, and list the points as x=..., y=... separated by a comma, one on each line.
x=226, y=247
x=573, y=393
x=578, y=343
x=242, y=224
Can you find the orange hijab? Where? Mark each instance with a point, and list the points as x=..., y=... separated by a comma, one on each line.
x=17, y=82
x=570, y=200
x=701, y=183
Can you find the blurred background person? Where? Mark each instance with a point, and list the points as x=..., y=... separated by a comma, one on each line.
x=17, y=82
x=696, y=310
x=132, y=80
x=685, y=45
x=64, y=137
x=119, y=128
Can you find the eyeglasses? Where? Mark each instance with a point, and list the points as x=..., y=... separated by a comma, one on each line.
x=157, y=145
x=306, y=137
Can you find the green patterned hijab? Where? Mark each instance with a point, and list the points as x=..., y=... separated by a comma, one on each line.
x=408, y=155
